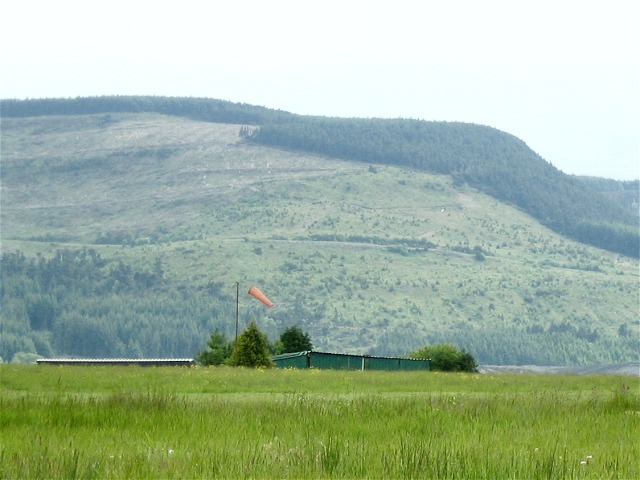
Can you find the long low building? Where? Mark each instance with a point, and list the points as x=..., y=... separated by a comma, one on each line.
x=151, y=362
x=344, y=361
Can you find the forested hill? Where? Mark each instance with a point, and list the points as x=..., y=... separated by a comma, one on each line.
x=490, y=160
x=487, y=159
x=195, y=108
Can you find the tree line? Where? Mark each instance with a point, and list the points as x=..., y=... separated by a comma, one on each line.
x=252, y=348
x=206, y=109
x=78, y=304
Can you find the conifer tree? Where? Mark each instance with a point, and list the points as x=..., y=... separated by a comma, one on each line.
x=293, y=339
x=252, y=349
x=218, y=352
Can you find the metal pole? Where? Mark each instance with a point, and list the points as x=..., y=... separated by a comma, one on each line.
x=237, y=308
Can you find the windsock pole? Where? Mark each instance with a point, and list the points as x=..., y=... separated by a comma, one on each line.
x=237, y=308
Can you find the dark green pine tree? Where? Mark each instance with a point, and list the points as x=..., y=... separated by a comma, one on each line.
x=218, y=352
x=293, y=339
x=252, y=349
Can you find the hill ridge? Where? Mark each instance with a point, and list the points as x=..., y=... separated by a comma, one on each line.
x=486, y=158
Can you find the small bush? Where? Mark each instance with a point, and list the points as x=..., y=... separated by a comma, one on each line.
x=447, y=358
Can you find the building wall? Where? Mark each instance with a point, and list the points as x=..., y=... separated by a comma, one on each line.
x=340, y=361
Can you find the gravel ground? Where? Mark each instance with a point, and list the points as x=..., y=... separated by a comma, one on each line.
x=632, y=369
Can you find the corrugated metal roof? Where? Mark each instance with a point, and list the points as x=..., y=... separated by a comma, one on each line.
x=376, y=356
x=347, y=361
x=284, y=356
x=111, y=361
x=299, y=354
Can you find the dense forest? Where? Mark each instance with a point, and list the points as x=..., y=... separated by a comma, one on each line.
x=485, y=158
x=78, y=304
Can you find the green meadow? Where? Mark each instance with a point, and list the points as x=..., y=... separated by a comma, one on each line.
x=137, y=422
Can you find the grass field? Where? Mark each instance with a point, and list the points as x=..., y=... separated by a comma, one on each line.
x=136, y=422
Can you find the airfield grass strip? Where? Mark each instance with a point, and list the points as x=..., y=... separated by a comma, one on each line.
x=464, y=428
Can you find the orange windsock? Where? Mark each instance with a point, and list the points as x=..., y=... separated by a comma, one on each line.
x=255, y=292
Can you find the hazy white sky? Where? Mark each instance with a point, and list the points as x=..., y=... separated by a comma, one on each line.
x=560, y=75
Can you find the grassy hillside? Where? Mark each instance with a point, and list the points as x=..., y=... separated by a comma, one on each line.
x=487, y=159
x=378, y=259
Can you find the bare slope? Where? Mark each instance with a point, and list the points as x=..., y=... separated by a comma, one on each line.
x=370, y=259
x=489, y=160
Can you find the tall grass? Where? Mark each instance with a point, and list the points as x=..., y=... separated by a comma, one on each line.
x=329, y=425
